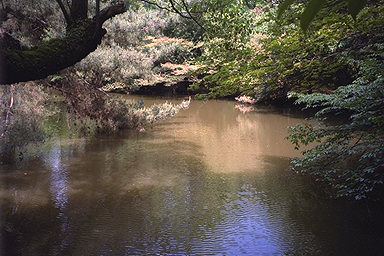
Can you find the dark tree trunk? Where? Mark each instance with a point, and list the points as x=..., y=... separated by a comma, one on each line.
x=83, y=37
x=79, y=9
x=64, y=11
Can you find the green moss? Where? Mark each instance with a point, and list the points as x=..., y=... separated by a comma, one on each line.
x=79, y=29
x=53, y=55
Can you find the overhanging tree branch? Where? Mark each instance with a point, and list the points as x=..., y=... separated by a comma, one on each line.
x=82, y=38
x=111, y=11
x=190, y=15
x=157, y=5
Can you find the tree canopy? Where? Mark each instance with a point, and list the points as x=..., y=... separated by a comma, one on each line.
x=314, y=6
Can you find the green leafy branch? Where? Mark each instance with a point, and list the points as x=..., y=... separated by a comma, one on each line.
x=314, y=6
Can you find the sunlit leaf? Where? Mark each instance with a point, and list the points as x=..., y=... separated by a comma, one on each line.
x=283, y=7
x=310, y=12
x=355, y=6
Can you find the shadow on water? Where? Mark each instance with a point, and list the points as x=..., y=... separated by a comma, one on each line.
x=210, y=181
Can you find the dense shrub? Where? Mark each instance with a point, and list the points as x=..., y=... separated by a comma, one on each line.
x=133, y=52
x=129, y=29
x=114, y=65
x=22, y=113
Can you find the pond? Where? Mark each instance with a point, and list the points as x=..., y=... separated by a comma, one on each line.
x=213, y=180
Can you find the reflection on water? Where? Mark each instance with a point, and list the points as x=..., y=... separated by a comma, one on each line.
x=59, y=191
x=228, y=140
x=58, y=179
x=214, y=180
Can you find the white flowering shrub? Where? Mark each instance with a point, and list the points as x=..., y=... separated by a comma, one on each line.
x=129, y=29
x=133, y=51
x=114, y=65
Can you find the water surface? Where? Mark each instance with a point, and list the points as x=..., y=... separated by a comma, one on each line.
x=214, y=180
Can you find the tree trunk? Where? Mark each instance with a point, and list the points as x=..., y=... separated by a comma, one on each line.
x=79, y=9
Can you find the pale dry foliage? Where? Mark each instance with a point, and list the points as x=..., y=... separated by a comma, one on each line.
x=133, y=52
x=22, y=111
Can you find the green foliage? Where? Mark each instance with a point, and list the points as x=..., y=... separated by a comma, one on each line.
x=283, y=7
x=228, y=26
x=314, y=7
x=227, y=29
x=310, y=12
x=279, y=58
x=183, y=28
x=355, y=6
x=312, y=62
x=349, y=157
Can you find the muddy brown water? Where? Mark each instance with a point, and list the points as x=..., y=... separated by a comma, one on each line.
x=213, y=180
